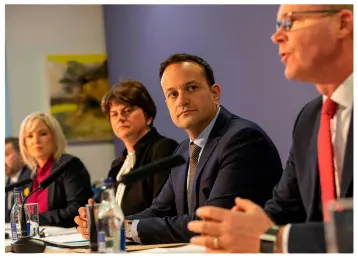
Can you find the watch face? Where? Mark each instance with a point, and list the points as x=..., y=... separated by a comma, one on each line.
x=127, y=227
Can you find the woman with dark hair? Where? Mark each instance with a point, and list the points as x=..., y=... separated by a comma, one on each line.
x=131, y=112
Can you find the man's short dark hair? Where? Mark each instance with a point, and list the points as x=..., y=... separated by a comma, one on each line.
x=14, y=142
x=183, y=57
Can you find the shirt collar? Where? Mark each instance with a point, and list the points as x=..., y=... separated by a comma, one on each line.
x=204, y=135
x=343, y=95
x=15, y=179
x=150, y=136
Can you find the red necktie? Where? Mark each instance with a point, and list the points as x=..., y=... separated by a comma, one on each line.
x=325, y=156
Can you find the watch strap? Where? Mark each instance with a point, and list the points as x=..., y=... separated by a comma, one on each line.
x=268, y=240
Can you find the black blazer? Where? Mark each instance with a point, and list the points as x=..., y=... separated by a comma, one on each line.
x=238, y=159
x=151, y=147
x=25, y=174
x=297, y=197
x=68, y=193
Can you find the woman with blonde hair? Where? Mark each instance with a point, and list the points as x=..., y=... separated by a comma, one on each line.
x=42, y=147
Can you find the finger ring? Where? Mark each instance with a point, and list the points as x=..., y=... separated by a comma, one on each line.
x=216, y=243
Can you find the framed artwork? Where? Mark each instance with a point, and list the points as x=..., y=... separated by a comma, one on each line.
x=77, y=84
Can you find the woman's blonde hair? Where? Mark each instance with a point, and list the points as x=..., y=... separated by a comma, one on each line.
x=29, y=124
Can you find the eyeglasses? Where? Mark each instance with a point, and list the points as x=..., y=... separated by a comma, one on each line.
x=287, y=21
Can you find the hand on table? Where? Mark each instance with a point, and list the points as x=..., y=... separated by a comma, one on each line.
x=81, y=221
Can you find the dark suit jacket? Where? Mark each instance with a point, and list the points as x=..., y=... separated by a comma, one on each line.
x=239, y=159
x=297, y=197
x=68, y=193
x=151, y=147
x=25, y=174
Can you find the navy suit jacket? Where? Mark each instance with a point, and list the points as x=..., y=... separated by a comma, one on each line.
x=239, y=159
x=297, y=197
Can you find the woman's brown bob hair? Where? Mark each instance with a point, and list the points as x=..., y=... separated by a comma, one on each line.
x=130, y=93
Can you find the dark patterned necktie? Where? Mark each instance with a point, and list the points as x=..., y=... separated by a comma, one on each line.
x=194, y=151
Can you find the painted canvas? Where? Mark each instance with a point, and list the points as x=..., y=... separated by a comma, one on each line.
x=77, y=84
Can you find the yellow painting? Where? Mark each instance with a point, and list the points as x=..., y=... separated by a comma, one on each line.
x=77, y=84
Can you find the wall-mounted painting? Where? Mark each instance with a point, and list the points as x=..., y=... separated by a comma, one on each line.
x=77, y=84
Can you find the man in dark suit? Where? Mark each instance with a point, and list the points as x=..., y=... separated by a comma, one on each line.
x=227, y=156
x=14, y=170
x=320, y=164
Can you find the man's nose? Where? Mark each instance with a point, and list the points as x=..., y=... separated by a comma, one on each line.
x=182, y=99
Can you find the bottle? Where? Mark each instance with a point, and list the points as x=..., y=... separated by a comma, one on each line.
x=105, y=182
x=15, y=215
x=110, y=222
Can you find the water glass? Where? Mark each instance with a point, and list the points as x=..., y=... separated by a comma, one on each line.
x=32, y=218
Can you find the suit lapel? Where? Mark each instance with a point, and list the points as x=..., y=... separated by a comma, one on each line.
x=221, y=124
x=22, y=174
x=314, y=189
x=347, y=174
x=7, y=201
x=52, y=187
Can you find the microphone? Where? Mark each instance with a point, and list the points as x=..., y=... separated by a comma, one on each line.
x=25, y=244
x=145, y=171
x=17, y=184
x=151, y=169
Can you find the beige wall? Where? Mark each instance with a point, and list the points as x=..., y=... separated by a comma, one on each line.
x=34, y=31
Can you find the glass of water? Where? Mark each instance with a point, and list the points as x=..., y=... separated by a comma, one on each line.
x=106, y=222
x=32, y=218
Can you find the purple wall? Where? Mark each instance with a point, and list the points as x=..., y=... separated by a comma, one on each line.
x=234, y=39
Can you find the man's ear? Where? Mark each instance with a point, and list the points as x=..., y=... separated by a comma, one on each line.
x=215, y=89
x=345, y=26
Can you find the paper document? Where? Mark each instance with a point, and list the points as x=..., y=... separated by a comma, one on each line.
x=70, y=240
x=57, y=231
x=69, y=244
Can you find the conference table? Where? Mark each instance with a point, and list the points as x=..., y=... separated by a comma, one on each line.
x=73, y=242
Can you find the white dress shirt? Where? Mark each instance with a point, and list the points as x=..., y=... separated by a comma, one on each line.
x=340, y=123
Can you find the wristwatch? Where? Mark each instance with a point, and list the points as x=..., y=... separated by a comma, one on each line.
x=268, y=240
x=127, y=229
